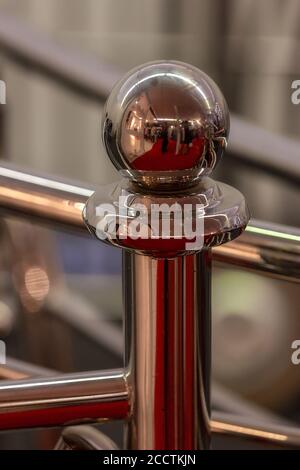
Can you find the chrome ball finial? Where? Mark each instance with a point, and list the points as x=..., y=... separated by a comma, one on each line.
x=165, y=125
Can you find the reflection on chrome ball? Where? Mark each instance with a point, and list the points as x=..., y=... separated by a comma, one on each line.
x=165, y=125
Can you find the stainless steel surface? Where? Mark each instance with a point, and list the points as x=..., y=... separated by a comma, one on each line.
x=47, y=199
x=165, y=127
x=264, y=247
x=167, y=323
x=247, y=424
x=45, y=191
x=276, y=253
x=38, y=51
x=165, y=124
x=242, y=432
x=80, y=389
x=64, y=399
x=270, y=249
x=163, y=224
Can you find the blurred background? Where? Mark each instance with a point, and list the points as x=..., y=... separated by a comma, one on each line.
x=58, y=286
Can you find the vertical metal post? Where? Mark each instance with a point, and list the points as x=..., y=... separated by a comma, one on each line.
x=165, y=127
x=168, y=323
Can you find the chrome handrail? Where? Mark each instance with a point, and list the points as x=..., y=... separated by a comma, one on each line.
x=264, y=247
x=51, y=401
x=268, y=249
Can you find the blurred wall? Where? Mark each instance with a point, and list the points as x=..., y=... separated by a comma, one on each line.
x=51, y=129
x=249, y=47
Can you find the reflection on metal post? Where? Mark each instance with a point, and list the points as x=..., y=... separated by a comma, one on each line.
x=165, y=128
x=168, y=339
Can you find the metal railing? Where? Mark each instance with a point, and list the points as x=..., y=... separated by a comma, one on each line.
x=95, y=396
x=266, y=248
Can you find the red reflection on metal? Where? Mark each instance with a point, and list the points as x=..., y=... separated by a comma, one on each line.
x=189, y=371
x=64, y=415
x=175, y=374
x=159, y=158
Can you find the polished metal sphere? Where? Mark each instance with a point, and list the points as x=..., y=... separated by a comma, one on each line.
x=165, y=125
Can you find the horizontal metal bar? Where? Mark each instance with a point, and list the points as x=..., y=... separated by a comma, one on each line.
x=47, y=199
x=65, y=399
x=222, y=398
x=270, y=435
x=78, y=398
x=264, y=247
